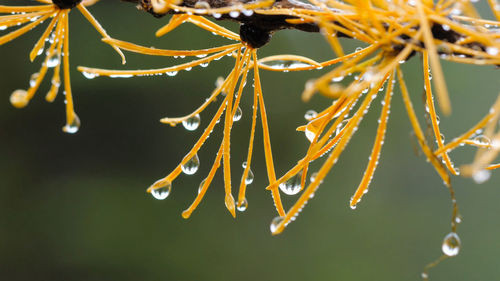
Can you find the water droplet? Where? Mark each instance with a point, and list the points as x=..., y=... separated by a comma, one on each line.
x=492, y=51
x=89, y=75
x=19, y=98
x=237, y=114
x=163, y=190
x=337, y=79
x=310, y=114
x=53, y=61
x=481, y=176
x=458, y=219
x=73, y=126
x=201, y=5
x=202, y=183
x=275, y=222
x=172, y=73
x=33, y=79
x=293, y=185
x=482, y=140
x=313, y=176
x=192, y=123
x=250, y=177
x=234, y=14
x=243, y=205
x=451, y=244
x=191, y=166
x=247, y=12
x=310, y=135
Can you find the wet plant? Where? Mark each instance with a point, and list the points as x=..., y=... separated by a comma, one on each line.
x=393, y=32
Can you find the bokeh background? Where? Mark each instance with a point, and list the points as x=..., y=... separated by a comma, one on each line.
x=74, y=207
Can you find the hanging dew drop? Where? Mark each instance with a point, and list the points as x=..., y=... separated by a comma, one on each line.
x=162, y=192
x=202, y=183
x=33, y=79
x=19, y=98
x=310, y=114
x=310, y=135
x=313, y=176
x=191, y=166
x=73, y=126
x=250, y=177
x=243, y=205
x=172, y=73
x=451, y=244
x=89, y=75
x=53, y=61
x=275, y=223
x=192, y=123
x=481, y=176
x=237, y=114
x=293, y=185
x=482, y=140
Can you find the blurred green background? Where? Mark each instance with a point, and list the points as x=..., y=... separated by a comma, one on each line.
x=74, y=207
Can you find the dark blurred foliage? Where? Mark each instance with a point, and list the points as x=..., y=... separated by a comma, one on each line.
x=74, y=207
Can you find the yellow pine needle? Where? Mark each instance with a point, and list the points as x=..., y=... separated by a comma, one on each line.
x=162, y=52
x=271, y=174
x=432, y=112
x=418, y=131
x=90, y=18
x=174, y=22
x=129, y=73
x=377, y=147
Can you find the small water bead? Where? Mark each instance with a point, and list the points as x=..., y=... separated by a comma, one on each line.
x=33, y=79
x=242, y=206
x=234, y=14
x=451, y=244
x=247, y=12
x=237, y=114
x=274, y=223
x=492, y=51
x=250, y=177
x=19, y=98
x=337, y=79
x=293, y=185
x=314, y=176
x=201, y=5
x=482, y=140
x=89, y=75
x=53, y=61
x=341, y=126
x=73, y=126
x=310, y=114
x=481, y=176
x=458, y=219
x=192, y=123
x=202, y=183
x=191, y=166
x=162, y=192
x=310, y=135
x=172, y=73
